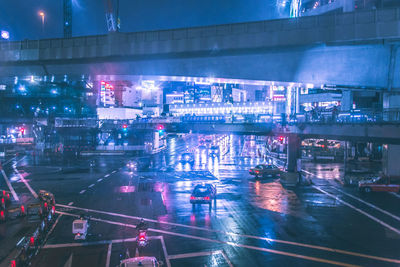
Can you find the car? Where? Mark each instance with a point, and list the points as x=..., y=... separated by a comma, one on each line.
x=214, y=151
x=203, y=194
x=140, y=261
x=380, y=184
x=186, y=158
x=132, y=166
x=80, y=228
x=265, y=170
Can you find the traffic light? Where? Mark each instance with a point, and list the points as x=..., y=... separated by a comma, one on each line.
x=281, y=138
x=160, y=129
x=22, y=130
x=125, y=127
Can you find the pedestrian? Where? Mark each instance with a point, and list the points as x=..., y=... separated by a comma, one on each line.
x=298, y=166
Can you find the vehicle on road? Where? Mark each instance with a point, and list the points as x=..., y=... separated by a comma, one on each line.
x=203, y=194
x=140, y=261
x=265, y=170
x=131, y=165
x=80, y=228
x=186, y=158
x=380, y=184
x=47, y=197
x=213, y=151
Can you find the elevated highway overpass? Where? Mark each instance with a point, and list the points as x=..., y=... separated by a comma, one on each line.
x=356, y=49
x=388, y=133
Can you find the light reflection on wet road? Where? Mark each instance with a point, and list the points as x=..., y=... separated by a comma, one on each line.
x=245, y=206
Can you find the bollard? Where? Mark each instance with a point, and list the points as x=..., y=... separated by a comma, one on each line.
x=46, y=207
x=32, y=241
x=2, y=216
x=23, y=211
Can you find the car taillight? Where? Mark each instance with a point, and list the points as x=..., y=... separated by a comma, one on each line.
x=257, y=172
x=206, y=198
x=2, y=215
x=45, y=205
x=192, y=197
x=142, y=236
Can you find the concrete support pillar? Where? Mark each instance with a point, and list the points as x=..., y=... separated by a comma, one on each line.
x=347, y=100
x=348, y=5
x=293, y=151
x=390, y=160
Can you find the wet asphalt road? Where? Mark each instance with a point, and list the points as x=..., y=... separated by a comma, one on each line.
x=254, y=223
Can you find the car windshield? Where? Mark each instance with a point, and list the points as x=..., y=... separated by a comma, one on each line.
x=201, y=190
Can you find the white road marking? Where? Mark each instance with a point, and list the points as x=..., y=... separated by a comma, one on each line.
x=83, y=191
x=70, y=203
x=108, y=255
x=226, y=259
x=52, y=228
x=240, y=235
x=24, y=181
x=8, y=161
x=273, y=251
x=93, y=243
x=358, y=210
x=91, y=185
x=165, y=251
x=194, y=254
x=14, y=194
x=394, y=194
x=105, y=176
x=369, y=204
x=99, y=180
x=113, y=171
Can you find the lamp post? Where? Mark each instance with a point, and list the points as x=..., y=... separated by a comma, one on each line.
x=42, y=15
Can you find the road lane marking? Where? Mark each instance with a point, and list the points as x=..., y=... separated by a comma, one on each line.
x=52, y=229
x=70, y=203
x=194, y=254
x=91, y=185
x=99, y=180
x=369, y=204
x=113, y=171
x=240, y=235
x=108, y=255
x=14, y=194
x=358, y=210
x=105, y=176
x=164, y=247
x=93, y=243
x=394, y=194
x=226, y=259
x=83, y=191
x=23, y=180
x=273, y=251
x=8, y=161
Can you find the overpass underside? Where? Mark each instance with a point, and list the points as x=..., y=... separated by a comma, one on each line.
x=385, y=133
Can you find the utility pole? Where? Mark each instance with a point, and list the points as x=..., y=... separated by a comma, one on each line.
x=67, y=8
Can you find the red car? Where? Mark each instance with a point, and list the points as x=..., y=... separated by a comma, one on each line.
x=380, y=184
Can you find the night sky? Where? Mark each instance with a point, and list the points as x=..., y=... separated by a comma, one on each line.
x=21, y=19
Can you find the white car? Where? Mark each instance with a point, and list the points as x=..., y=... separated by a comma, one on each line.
x=79, y=229
x=140, y=261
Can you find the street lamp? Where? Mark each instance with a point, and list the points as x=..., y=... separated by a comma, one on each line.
x=41, y=14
